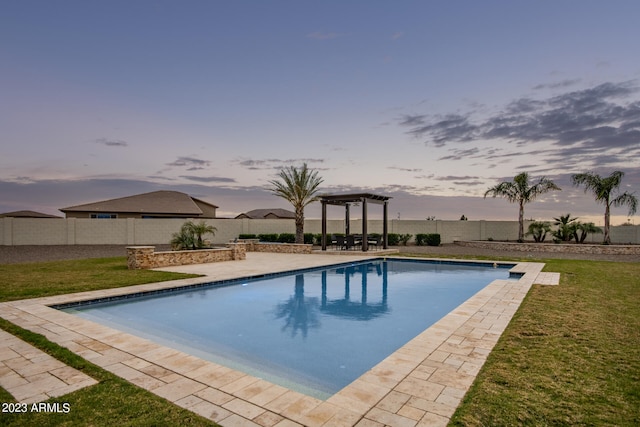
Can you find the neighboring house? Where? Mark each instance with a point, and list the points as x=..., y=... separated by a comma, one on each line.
x=157, y=204
x=26, y=214
x=268, y=214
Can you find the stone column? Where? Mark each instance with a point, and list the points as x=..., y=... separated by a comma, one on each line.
x=238, y=250
x=140, y=257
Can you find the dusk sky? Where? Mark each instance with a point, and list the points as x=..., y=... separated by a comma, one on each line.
x=430, y=102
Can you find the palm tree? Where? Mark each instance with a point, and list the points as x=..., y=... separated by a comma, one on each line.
x=200, y=229
x=190, y=235
x=539, y=230
x=584, y=228
x=521, y=192
x=298, y=187
x=566, y=228
x=607, y=192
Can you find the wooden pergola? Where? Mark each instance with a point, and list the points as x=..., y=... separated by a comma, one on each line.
x=346, y=200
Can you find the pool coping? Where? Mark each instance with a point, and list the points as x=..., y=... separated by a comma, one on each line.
x=420, y=384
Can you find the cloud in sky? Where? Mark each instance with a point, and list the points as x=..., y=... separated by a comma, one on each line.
x=592, y=118
x=191, y=163
x=321, y=35
x=112, y=142
x=207, y=178
x=259, y=164
x=596, y=126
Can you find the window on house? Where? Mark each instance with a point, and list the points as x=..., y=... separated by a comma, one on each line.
x=104, y=216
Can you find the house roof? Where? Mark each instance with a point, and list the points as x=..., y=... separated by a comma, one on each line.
x=156, y=202
x=27, y=214
x=264, y=213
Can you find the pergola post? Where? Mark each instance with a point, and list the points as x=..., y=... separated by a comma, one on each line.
x=347, y=220
x=365, y=238
x=324, y=225
x=385, y=227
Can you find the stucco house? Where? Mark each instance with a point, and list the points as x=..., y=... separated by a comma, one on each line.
x=157, y=204
x=275, y=213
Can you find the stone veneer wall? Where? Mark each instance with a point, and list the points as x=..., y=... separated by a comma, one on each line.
x=254, y=245
x=144, y=257
x=553, y=247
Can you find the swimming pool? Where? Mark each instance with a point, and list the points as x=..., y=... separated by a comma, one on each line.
x=313, y=331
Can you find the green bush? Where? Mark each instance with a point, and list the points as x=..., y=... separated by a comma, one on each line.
x=287, y=238
x=268, y=237
x=428, y=239
x=393, y=239
x=404, y=238
x=309, y=238
x=247, y=236
x=433, y=239
x=421, y=239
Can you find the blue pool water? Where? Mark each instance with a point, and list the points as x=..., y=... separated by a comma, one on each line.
x=314, y=331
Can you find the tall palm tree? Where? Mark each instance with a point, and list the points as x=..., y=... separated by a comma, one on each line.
x=298, y=187
x=607, y=191
x=519, y=191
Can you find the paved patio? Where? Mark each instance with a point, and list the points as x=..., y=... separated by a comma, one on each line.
x=421, y=384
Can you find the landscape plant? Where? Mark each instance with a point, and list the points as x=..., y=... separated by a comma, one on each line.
x=429, y=239
x=287, y=238
x=268, y=237
x=393, y=239
x=607, y=191
x=404, y=238
x=298, y=186
x=539, y=230
x=566, y=228
x=191, y=235
x=582, y=229
x=520, y=191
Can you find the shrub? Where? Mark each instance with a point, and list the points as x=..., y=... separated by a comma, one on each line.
x=272, y=237
x=404, y=238
x=309, y=238
x=420, y=239
x=393, y=239
x=287, y=238
x=247, y=236
x=433, y=239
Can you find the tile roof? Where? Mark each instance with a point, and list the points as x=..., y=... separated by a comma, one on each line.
x=27, y=214
x=156, y=202
x=264, y=213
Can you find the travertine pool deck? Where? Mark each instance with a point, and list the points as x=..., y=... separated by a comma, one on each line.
x=421, y=384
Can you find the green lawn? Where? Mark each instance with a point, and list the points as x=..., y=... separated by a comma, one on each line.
x=571, y=355
x=113, y=401
x=21, y=281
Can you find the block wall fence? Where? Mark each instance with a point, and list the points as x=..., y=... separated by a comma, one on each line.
x=134, y=231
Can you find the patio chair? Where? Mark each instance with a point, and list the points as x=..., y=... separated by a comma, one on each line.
x=351, y=241
x=375, y=241
x=341, y=242
x=333, y=241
